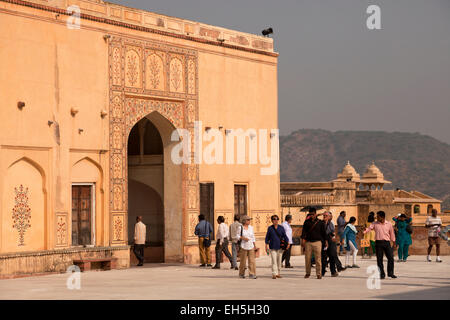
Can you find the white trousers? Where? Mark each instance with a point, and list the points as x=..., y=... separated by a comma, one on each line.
x=275, y=256
x=353, y=252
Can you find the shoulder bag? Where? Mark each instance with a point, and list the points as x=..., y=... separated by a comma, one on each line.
x=206, y=241
x=283, y=243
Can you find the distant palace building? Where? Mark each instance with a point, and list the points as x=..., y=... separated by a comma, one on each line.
x=357, y=197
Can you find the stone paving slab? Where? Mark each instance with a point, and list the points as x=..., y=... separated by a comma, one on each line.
x=417, y=279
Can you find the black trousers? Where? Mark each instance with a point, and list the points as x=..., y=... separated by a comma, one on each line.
x=331, y=254
x=222, y=246
x=287, y=256
x=384, y=247
x=139, y=252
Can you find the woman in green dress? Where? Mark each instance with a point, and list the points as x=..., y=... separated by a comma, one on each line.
x=403, y=236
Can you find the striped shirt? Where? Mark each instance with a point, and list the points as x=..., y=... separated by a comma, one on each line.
x=434, y=222
x=139, y=233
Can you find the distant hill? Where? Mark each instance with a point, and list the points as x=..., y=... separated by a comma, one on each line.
x=412, y=161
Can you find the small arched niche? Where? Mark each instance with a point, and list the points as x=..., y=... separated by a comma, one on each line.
x=24, y=220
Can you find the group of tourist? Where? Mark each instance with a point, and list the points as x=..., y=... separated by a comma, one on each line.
x=318, y=239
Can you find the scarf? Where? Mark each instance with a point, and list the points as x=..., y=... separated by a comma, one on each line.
x=353, y=228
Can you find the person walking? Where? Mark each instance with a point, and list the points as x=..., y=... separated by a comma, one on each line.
x=287, y=253
x=248, y=249
x=434, y=224
x=370, y=236
x=403, y=239
x=313, y=237
x=341, y=226
x=384, y=239
x=222, y=242
x=140, y=231
x=275, y=234
x=349, y=236
x=203, y=231
x=331, y=251
x=235, y=228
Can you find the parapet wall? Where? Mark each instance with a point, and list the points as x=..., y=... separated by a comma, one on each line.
x=57, y=261
x=152, y=22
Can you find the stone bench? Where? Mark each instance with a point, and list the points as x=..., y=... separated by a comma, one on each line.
x=105, y=263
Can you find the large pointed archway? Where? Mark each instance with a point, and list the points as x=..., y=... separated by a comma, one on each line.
x=158, y=82
x=155, y=188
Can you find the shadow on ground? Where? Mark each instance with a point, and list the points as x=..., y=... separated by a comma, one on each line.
x=438, y=293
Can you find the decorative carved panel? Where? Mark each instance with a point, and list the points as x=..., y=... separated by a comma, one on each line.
x=154, y=70
x=176, y=74
x=21, y=213
x=149, y=77
x=227, y=214
x=261, y=220
x=191, y=223
x=133, y=67
x=61, y=229
x=118, y=228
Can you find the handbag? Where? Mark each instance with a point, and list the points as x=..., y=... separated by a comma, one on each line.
x=206, y=241
x=283, y=243
x=409, y=228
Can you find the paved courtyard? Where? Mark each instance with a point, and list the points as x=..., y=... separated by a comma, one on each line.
x=417, y=279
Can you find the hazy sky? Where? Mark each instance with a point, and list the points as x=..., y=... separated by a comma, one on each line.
x=336, y=74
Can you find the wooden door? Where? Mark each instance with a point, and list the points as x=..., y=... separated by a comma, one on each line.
x=240, y=199
x=81, y=215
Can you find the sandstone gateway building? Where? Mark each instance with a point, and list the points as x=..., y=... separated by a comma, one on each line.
x=88, y=104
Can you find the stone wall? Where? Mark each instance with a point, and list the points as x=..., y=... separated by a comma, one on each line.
x=56, y=261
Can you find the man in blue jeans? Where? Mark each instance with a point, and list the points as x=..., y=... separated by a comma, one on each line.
x=341, y=226
x=235, y=235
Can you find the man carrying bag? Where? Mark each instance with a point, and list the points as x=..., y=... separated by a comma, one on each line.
x=203, y=230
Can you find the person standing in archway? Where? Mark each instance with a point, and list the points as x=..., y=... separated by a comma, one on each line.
x=203, y=230
x=139, y=240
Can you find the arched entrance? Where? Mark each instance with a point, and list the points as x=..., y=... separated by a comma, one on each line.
x=155, y=188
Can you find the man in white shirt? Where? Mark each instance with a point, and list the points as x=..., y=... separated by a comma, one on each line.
x=139, y=240
x=287, y=253
x=433, y=224
x=235, y=235
x=222, y=242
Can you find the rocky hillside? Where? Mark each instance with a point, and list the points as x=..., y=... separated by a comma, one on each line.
x=410, y=160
